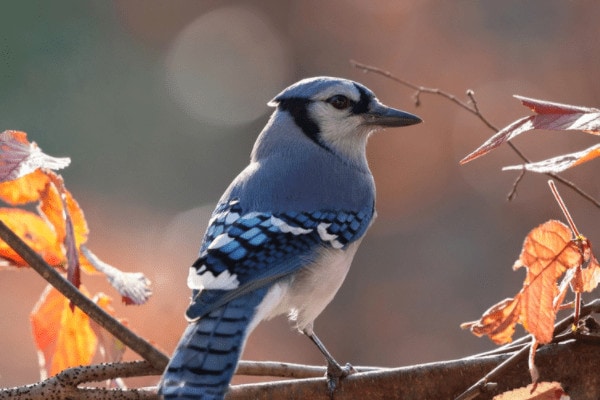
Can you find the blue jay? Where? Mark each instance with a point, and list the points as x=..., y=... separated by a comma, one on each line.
x=284, y=233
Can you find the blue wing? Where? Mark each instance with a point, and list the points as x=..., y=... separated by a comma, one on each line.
x=242, y=254
x=244, y=251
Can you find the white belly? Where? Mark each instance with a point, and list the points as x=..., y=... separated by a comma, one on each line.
x=306, y=295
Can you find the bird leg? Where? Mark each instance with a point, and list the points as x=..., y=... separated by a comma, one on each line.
x=335, y=372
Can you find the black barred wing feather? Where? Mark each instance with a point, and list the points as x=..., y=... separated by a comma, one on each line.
x=243, y=251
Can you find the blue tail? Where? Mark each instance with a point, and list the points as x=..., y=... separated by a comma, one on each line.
x=208, y=352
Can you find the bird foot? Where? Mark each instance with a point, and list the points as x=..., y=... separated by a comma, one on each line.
x=335, y=373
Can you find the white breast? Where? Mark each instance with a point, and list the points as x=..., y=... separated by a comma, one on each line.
x=304, y=296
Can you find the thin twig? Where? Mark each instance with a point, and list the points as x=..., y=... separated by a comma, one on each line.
x=575, y=188
x=473, y=108
x=483, y=384
x=105, y=320
x=513, y=192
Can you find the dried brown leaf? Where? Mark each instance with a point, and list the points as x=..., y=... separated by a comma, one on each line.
x=19, y=157
x=504, y=135
x=559, y=163
x=550, y=116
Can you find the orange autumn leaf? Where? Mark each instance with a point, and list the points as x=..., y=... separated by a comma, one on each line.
x=80, y=226
x=63, y=212
x=51, y=207
x=586, y=278
x=25, y=189
x=538, y=391
x=591, y=276
x=111, y=348
x=498, y=322
x=548, y=252
x=86, y=265
x=35, y=232
x=59, y=230
x=105, y=302
x=62, y=335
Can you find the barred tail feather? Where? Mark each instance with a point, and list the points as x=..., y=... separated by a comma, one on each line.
x=208, y=352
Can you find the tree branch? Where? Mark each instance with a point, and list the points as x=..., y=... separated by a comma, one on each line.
x=288, y=370
x=105, y=320
x=473, y=108
x=446, y=380
x=483, y=385
x=64, y=384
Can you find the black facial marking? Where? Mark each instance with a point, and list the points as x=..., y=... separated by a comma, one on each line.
x=362, y=106
x=298, y=109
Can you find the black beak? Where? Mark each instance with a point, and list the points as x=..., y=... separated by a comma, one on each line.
x=380, y=115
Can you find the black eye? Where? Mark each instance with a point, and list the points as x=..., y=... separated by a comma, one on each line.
x=339, y=101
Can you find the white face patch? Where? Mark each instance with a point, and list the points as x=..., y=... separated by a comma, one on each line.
x=203, y=279
x=342, y=131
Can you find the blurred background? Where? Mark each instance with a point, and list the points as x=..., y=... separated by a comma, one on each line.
x=158, y=104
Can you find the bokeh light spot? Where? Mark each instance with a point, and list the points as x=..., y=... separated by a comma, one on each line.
x=226, y=65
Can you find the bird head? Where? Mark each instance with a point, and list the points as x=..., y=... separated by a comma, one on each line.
x=338, y=114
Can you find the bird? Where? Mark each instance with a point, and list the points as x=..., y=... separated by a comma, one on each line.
x=283, y=235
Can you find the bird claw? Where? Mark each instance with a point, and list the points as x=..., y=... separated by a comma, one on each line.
x=335, y=373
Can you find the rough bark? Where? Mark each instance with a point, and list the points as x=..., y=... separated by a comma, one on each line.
x=574, y=364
